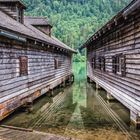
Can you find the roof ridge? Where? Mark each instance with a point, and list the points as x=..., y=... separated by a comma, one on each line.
x=37, y=20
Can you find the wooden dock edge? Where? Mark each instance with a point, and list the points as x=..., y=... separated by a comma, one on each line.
x=17, y=128
x=6, y=111
x=134, y=116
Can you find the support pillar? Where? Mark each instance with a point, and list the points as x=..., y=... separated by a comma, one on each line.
x=110, y=97
x=97, y=92
x=63, y=83
x=135, y=120
x=69, y=81
x=89, y=80
x=72, y=78
x=98, y=86
x=61, y=86
x=28, y=106
x=51, y=93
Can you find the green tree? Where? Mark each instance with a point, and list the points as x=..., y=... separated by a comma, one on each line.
x=75, y=20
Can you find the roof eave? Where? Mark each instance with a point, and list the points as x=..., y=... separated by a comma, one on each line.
x=29, y=37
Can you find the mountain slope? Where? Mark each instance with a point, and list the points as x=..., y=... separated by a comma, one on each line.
x=75, y=20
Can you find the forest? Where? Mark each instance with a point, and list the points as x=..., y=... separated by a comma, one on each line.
x=75, y=20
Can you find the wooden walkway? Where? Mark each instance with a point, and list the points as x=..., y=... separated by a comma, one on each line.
x=11, y=134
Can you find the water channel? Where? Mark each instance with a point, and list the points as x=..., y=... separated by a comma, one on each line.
x=79, y=111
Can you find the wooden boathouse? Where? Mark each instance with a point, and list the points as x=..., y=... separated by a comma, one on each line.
x=113, y=58
x=32, y=61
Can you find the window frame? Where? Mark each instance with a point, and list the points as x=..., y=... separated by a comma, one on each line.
x=23, y=65
x=93, y=63
x=98, y=63
x=119, y=64
x=103, y=64
x=55, y=63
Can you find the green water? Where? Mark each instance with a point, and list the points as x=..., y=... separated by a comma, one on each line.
x=80, y=111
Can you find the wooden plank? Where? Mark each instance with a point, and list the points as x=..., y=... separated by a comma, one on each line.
x=126, y=89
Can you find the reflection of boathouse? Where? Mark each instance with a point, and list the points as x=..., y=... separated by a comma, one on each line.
x=31, y=60
x=113, y=55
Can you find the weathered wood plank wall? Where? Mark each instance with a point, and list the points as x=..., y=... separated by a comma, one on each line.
x=124, y=39
x=42, y=75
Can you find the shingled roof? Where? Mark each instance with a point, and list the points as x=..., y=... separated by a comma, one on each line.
x=37, y=21
x=28, y=31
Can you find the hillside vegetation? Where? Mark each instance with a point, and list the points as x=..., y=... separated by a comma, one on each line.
x=75, y=20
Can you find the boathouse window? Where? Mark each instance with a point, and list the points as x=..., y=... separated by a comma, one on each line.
x=23, y=65
x=56, y=65
x=59, y=63
x=94, y=62
x=118, y=64
x=101, y=63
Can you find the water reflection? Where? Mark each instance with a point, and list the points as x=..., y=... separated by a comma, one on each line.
x=79, y=111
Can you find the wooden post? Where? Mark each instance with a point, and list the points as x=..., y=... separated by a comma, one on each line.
x=28, y=105
x=98, y=86
x=71, y=79
x=89, y=80
x=135, y=120
x=63, y=83
x=61, y=87
x=97, y=92
x=110, y=97
x=50, y=93
x=68, y=81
